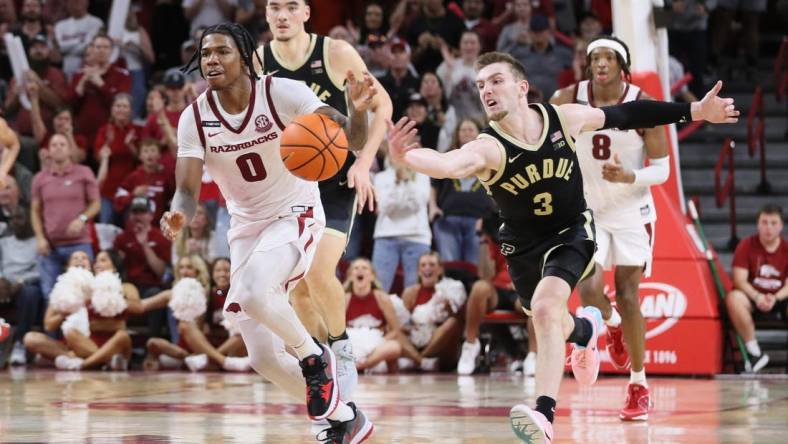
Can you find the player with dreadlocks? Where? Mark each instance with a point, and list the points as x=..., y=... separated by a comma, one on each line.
x=617, y=185
x=234, y=130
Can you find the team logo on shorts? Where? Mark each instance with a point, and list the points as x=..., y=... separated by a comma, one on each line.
x=506, y=249
x=262, y=124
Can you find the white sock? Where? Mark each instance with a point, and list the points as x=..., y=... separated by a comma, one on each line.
x=753, y=348
x=307, y=348
x=615, y=318
x=342, y=413
x=638, y=377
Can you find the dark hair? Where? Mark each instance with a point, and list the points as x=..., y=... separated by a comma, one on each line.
x=364, y=32
x=213, y=266
x=771, y=209
x=117, y=262
x=102, y=35
x=150, y=141
x=624, y=64
x=489, y=58
x=243, y=40
x=455, y=138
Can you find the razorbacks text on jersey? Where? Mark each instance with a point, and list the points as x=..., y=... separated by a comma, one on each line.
x=241, y=152
x=538, y=187
x=613, y=203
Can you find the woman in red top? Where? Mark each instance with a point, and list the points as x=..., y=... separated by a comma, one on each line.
x=62, y=123
x=116, y=150
x=369, y=306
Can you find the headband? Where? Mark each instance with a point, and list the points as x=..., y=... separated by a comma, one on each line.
x=607, y=43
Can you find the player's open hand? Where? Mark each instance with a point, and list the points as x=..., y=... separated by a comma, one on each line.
x=614, y=171
x=402, y=138
x=361, y=91
x=359, y=179
x=715, y=109
x=171, y=223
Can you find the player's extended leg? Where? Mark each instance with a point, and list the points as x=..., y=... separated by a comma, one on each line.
x=307, y=312
x=329, y=298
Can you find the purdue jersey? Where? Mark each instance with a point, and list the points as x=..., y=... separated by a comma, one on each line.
x=538, y=188
x=616, y=204
x=314, y=73
x=241, y=152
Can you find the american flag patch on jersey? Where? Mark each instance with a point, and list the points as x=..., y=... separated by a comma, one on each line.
x=316, y=64
x=555, y=137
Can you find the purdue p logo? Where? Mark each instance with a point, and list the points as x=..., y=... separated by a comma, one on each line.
x=506, y=249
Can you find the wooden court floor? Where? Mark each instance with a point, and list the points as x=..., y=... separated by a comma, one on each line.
x=102, y=407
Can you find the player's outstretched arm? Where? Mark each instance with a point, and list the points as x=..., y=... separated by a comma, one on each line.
x=649, y=113
x=473, y=158
x=188, y=176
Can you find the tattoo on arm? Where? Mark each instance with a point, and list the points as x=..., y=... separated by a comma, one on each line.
x=184, y=202
x=355, y=127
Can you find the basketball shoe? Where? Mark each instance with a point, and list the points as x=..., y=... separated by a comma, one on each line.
x=355, y=431
x=530, y=426
x=320, y=373
x=637, y=404
x=614, y=343
x=347, y=375
x=585, y=360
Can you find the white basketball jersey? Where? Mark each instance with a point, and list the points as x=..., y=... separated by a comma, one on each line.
x=617, y=204
x=243, y=156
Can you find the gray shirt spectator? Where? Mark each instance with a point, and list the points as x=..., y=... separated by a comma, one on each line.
x=543, y=60
x=208, y=12
x=74, y=34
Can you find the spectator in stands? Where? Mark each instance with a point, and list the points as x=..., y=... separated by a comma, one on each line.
x=196, y=238
x=517, y=32
x=590, y=27
x=204, y=13
x=474, y=21
x=20, y=282
x=370, y=308
x=750, y=12
x=107, y=341
x=403, y=14
x=9, y=151
x=439, y=112
x=204, y=342
x=149, y=180
x=95, y=86
x=577, y=72
x=251, y=14
x=116, y=143
x=374, y=26
x=436, y=345
x=75, y=33
x=428, y=32
x=50, y=84
x=401, y=80
x=162, y=122
x=146, y=254
x=676, y=73
x=688, y=39
x=504, y=11
x=543, y=60
x=760, y=280
x=416, y=110
x=459, y=78
x=10, y=200
x=64, y=198
x=402, y=230
x=456, y=205
x=137, y=50
x=63, y=124
x=31, y=25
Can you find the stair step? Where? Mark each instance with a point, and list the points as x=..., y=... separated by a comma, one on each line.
x=697, y=155
x=774, y=131
x=695, y=180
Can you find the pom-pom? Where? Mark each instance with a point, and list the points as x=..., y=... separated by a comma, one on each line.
x=450, y=290
x=107, y=296
x=71, y=290
x=420, y=334
x=77, y=321
x=364, y=341
x=365, y=321
x=403, y=315
x=188, y=300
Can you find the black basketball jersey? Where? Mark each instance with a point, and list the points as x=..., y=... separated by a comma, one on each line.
x=314, y=72
x=538, y=188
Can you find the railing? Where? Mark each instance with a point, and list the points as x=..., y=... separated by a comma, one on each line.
x=692, y=126
x=680, y=83
x=756, y=123
x=780, y=78
x=727, y=190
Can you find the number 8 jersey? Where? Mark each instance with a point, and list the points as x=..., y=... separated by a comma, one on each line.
x=241, y=151
x=614, y=204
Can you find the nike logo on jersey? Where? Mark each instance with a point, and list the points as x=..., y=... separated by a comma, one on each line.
x=512, y=159
x=342, y=183
x=273, y=73
x=214, y=134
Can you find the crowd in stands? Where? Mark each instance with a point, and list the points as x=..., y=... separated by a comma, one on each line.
x=89, y=143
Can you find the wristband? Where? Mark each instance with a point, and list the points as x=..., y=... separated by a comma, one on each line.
x=83, y=218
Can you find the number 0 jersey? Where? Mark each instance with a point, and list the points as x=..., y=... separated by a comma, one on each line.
x=614, y=204
x=538, y=188
x=241, y=152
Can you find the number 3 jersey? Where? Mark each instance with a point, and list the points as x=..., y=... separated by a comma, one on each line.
x=614, y=204
x=241, y=151
x=538, y=188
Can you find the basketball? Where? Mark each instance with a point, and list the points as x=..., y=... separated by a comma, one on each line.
x=314, y=147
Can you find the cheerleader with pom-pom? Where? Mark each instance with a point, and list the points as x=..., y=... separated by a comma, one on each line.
x=205, y=342
x=372, y=322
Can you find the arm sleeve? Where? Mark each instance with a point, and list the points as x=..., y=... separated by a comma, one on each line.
x=189, y=144
x=645, y=114
x=292, y=98
x=655, y=173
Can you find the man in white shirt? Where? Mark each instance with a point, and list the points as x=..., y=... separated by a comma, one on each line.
x=74, y=34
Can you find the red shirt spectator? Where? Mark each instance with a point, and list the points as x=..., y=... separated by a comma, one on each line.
x=471, y=12
x=162, y=123
x=149, y=179
x=120, y=136
x=146, y=252
x=94, y=87
x=766, y=271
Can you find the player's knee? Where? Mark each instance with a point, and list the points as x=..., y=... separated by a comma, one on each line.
x=544, y=312
x=628, y=302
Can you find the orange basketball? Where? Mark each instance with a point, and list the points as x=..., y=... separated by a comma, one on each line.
x=314, y=147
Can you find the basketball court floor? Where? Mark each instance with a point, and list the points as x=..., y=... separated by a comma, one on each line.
x=102, y=407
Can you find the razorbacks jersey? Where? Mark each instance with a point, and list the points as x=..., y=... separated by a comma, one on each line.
x=241, y=152
x=613, y=203
x=314, y=72
x=538, y=187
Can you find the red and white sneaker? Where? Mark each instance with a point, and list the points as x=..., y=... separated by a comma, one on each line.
x=530, y=426
x=637, y=404
x=619, y=356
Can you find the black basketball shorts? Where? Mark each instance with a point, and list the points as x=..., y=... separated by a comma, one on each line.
x=566, y=254
x=339, y=205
